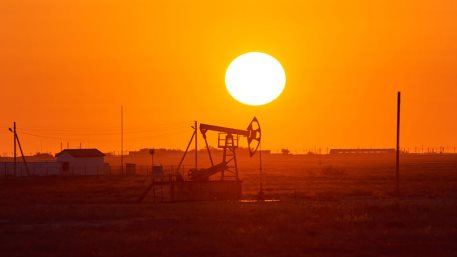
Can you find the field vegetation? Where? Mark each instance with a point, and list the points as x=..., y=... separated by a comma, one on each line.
x=328, y=206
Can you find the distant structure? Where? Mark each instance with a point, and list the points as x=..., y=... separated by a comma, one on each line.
x=140, y=153
x=67, y=162
x=82, y=161
x=363, y=151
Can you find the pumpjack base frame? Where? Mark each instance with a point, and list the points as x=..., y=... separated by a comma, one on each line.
x=208, y=190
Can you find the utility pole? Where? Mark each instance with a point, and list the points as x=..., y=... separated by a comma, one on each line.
x=16, y=140
x=196, y=146
x=15, y=161
x=261, y=193
x=398, y=146
x=122, y=139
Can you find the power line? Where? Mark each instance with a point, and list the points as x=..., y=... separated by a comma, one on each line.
x=34, y=135
x=173, y=132
x=104, y=130
x=97, y=132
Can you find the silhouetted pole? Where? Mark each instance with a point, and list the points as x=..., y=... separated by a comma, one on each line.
x=16, y=141
x=196, y=146
x=23, y=157
x=15, y=161
x=261, y=194
x=398, y=146
x=122, y=140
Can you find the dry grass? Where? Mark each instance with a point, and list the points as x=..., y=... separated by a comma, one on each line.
x=327, y=208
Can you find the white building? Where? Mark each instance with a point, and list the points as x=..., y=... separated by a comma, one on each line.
x=82, y=162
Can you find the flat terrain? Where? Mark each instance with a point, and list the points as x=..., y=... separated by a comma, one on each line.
x=327, y=207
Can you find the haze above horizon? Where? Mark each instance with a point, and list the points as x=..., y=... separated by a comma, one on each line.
x=67, y=67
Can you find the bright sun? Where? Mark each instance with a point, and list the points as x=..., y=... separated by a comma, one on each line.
x=255, y=78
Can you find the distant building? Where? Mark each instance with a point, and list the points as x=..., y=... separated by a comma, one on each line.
x=363, y=151
x=82, y=161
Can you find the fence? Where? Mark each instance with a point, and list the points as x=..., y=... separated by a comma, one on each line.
x=10, y=169
x=19, y=169
x=146, y=170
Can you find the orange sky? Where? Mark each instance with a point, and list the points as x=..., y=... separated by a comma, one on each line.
x=67, y=66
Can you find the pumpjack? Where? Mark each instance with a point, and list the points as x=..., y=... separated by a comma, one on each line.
x=197, y=185
x=228, y=139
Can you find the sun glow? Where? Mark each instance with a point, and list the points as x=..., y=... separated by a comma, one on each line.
x=255, y=78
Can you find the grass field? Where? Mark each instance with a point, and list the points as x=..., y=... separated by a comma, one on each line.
x=327, y=207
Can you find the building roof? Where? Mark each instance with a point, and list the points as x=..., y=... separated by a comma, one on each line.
x=82, y=153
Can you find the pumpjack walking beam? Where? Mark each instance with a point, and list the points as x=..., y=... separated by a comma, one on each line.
x=253, y=133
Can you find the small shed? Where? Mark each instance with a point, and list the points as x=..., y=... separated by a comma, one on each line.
x=82, y=161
